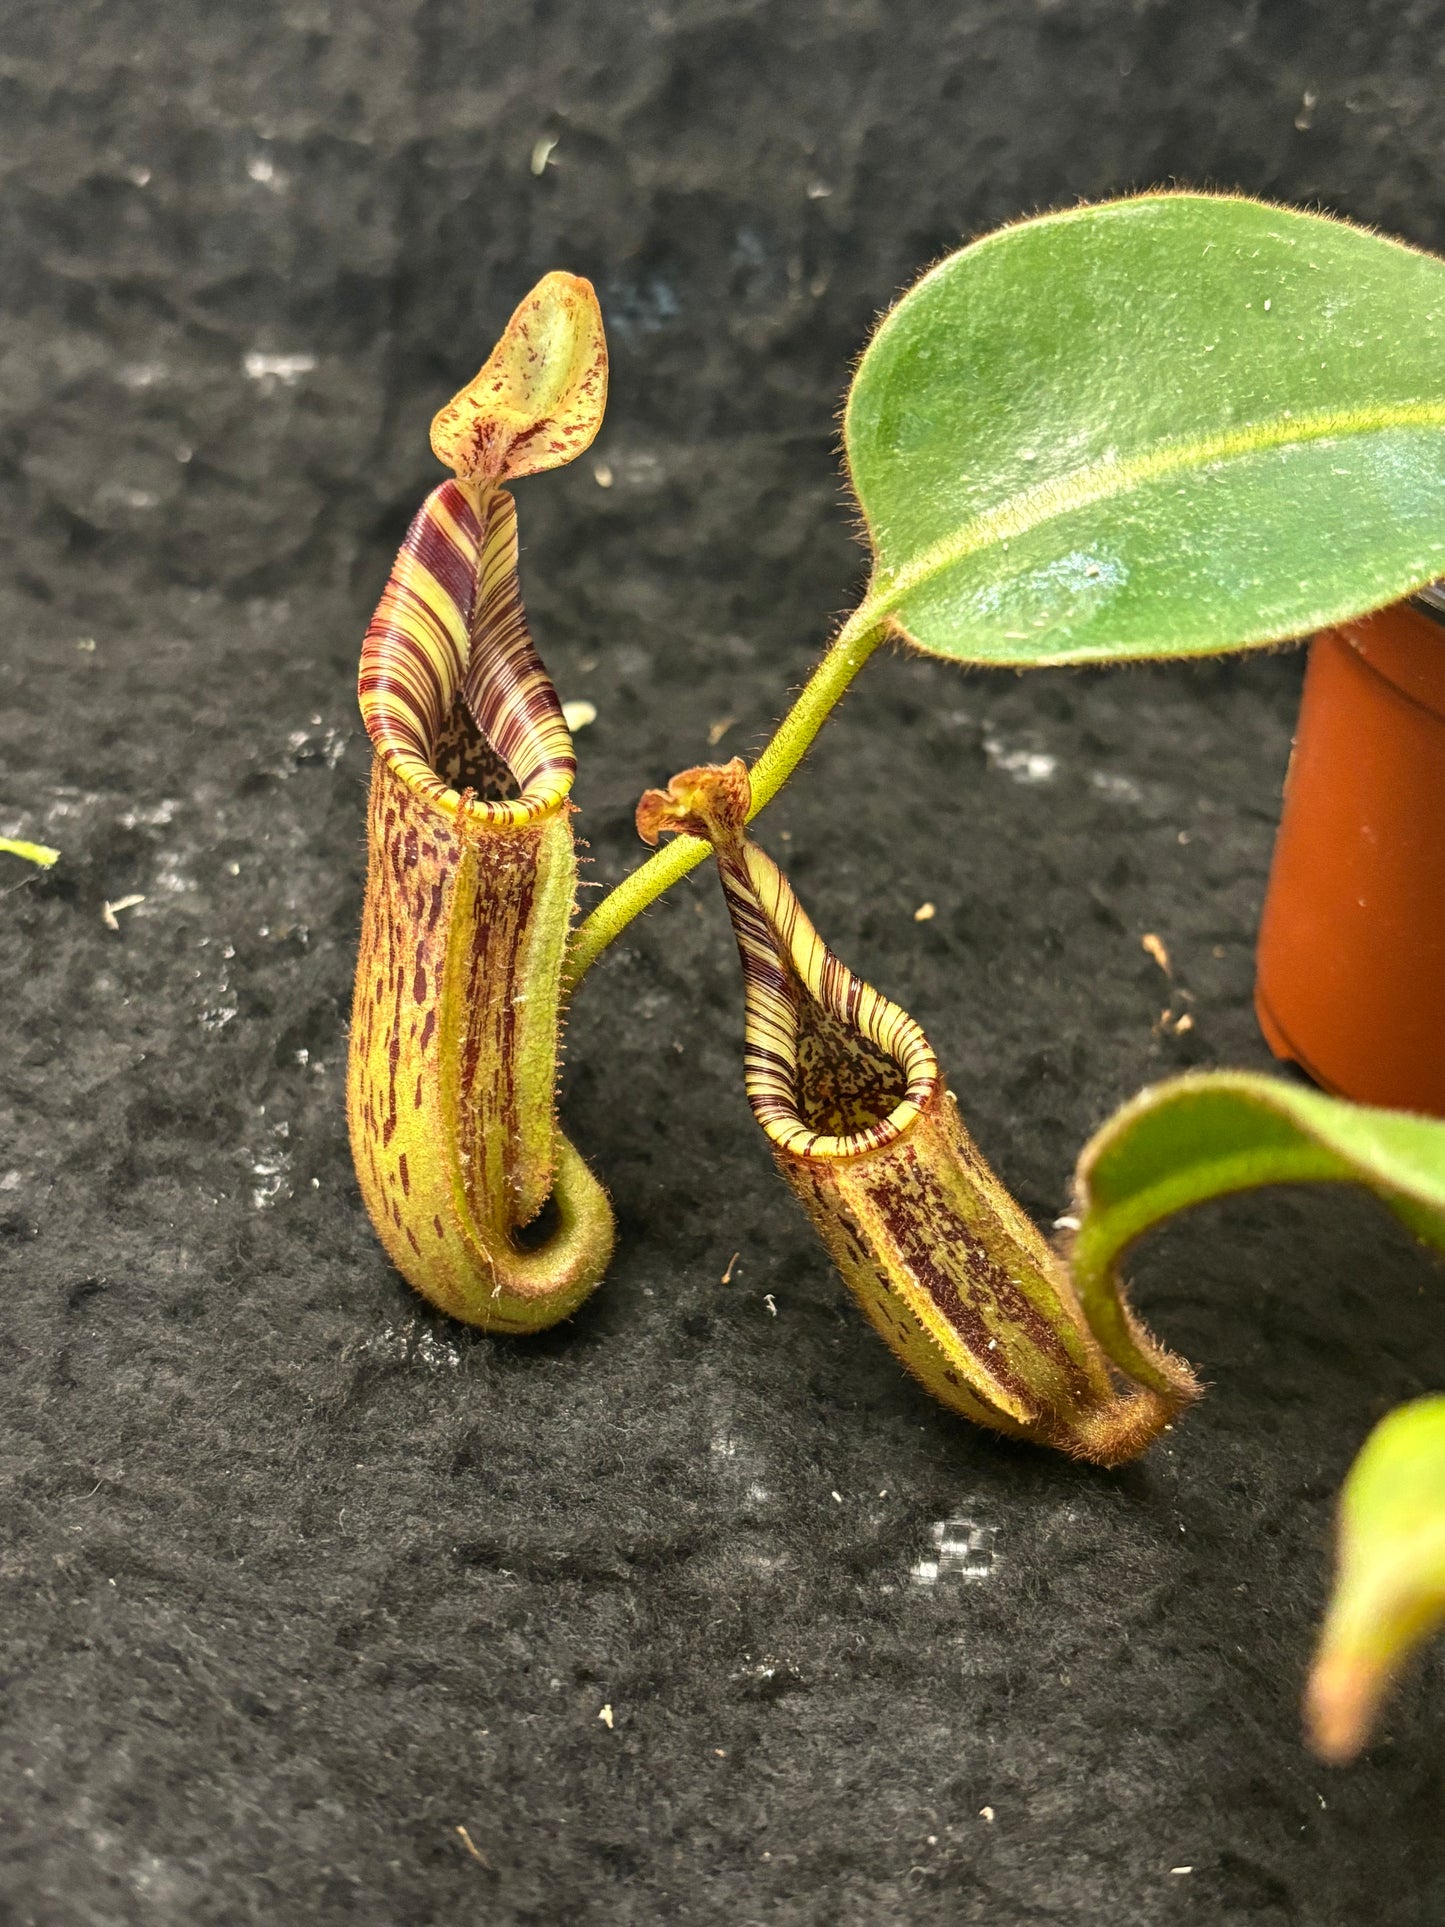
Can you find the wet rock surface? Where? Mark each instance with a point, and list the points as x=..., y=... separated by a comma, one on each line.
x=302, y=1580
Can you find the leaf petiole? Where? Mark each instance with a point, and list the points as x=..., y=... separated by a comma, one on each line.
x=851, y=648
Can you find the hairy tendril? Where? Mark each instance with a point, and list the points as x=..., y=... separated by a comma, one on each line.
x=853, y=645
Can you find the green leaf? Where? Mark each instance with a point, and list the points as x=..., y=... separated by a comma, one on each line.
x=1389, y=1592
x=1157, y=427
x=1215, y=1132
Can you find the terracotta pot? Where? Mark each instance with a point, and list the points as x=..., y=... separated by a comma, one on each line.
x=1351, y=968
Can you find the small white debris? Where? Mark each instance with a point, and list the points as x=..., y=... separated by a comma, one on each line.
x=261, y=168
x=1119, y=789
x=963, y=1550
x=141, y=374
x=771, y=1303
x=986, y=1815
x=276, y=368
x=108, y=910
x=1023, y=765
x=1181, y=1870
x=579, y=714
x=270, y=1169
x=1154, y=946
x=1067, y=1223
x=716, y=731
x=838, y=1498
x=123, y=496
x=436, y=1353
x=602, y=475
x=606, y=1717
x=542, y=152
x=473, y=1849
x=925, y=913
x=818, y=191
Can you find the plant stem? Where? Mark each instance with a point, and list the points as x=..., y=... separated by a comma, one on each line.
x=854, y=644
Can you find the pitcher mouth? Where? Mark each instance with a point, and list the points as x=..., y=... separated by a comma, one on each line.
x=832, y=1069
x=453, y=694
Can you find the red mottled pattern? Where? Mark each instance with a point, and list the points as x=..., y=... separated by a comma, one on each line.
x=453, y=1047
x=947, y=1268
x=433, y=1096
x=404, y=934
x=539, y=398
x=490, y=981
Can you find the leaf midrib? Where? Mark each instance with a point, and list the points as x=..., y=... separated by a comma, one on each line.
x=1101, y=481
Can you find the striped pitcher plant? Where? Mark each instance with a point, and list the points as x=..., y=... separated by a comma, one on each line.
x=1171, y=426
x=472, y=869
